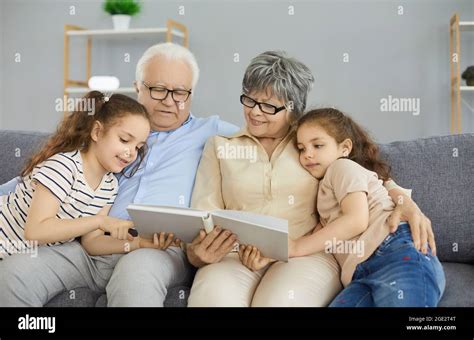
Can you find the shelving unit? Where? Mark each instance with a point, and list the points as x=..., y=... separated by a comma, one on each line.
x=172, y=29
x=455, y=27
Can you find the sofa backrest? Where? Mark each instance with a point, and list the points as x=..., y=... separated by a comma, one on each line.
x=440, y=171
x=15, y=149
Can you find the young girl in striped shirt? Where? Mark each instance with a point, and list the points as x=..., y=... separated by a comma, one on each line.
x=378, y=268
x=69, y=186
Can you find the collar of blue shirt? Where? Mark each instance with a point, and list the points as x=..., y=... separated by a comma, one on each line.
x=190, y=117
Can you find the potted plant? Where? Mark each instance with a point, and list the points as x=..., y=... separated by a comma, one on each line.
x=468, y=76
x=121, y=11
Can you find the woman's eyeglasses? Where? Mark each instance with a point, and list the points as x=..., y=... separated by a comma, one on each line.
x=264, y=107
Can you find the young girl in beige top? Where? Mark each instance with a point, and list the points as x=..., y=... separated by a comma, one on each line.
x=377, y=268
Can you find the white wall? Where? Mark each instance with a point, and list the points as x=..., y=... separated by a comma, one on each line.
x=1, y=64
x=400, y=55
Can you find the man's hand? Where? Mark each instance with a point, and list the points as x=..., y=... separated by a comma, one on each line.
x=210, y=248
x=252, y=259
x=420, y=225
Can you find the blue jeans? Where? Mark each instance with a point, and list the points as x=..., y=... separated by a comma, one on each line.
x=395, y=275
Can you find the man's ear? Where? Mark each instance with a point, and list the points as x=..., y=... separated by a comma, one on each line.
x=346, y=146
x=135, y=85
x=96, y=130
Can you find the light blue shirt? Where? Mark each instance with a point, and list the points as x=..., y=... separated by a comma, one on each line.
x=9, y=186
x=166, y=176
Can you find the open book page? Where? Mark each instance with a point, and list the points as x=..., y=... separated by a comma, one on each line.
x=269, y=234
x=170, y=209
x=264, y=221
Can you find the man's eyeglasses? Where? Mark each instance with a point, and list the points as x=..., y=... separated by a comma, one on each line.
x=264, y=107
x=161, y=93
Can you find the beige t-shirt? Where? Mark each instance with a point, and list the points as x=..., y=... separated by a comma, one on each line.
x=235, y=173
x=343, y=177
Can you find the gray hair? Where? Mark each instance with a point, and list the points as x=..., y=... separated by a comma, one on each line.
x=170, y=51
x=287, y=78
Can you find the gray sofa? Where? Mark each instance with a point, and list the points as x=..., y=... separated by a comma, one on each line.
x=440, y=170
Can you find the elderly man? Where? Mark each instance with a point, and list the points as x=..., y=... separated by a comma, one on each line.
x=166, y=76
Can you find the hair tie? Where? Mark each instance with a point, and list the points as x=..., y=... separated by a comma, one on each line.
x=106, y=97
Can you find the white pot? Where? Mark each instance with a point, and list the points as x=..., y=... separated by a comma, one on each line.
x=121, y=22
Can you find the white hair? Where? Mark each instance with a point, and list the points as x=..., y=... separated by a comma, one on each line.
x=170, y=51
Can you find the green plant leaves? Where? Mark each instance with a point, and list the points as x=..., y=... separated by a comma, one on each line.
x=125, y=7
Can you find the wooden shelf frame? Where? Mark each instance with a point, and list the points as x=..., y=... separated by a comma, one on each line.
x=455, y=27
x=172, y=29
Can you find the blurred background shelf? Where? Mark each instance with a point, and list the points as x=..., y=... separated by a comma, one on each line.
x=85, y=32
x=71, y=87
x=455, y=27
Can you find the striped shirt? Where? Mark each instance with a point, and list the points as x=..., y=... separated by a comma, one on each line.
x=63, y=175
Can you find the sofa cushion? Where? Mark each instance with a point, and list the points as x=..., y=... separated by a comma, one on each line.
x=176, y=297
x=17, y=147
x=440, y=172
x=82, y=297
x=459, y=279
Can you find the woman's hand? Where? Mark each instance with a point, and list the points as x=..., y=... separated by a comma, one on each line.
x=420, y=225
x=252, y=259
x=210, y=248
x=117, y=228
x=161, y=241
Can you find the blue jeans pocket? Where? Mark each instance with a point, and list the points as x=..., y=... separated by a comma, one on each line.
x=400, y=239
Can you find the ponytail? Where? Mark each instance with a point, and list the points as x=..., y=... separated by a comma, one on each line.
x=74, y=132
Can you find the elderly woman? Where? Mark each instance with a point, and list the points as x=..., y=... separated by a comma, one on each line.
x=275, y=88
